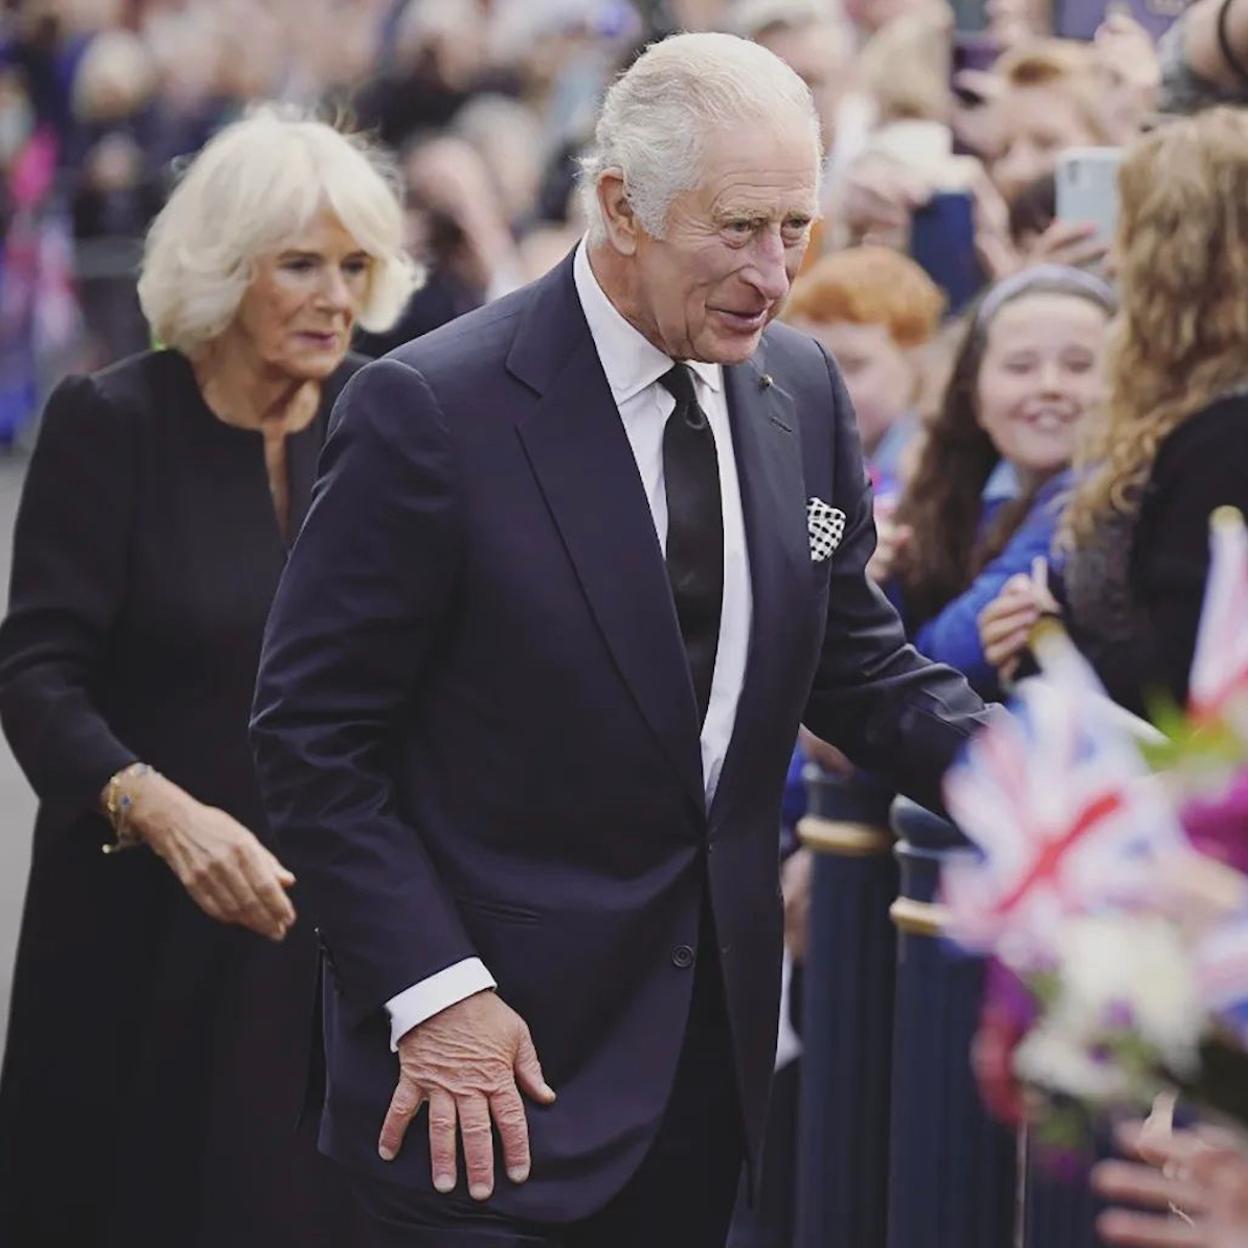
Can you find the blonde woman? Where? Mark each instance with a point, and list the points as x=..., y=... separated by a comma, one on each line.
x=1175, y=442
x=163, y=998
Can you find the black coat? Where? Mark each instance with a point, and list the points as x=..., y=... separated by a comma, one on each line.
x=156, y=1060
x=1134, y=594
x=477, y=734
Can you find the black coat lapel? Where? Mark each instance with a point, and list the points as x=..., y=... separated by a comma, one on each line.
x=584, y=464
x=773, y=499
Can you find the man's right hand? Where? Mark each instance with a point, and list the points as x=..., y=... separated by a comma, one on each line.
x=470, y=1062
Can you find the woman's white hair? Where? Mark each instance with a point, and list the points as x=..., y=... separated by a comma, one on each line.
x=256, y=184
x=657, y=117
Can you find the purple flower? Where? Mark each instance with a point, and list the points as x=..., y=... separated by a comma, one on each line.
x=1120, y=1015
x=1062, y=1162
x=1219, y=828
x=1009, y=997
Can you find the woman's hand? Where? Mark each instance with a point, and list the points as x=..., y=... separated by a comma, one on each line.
x=1072, y=243
x=230, y=875
x=1190, y=1190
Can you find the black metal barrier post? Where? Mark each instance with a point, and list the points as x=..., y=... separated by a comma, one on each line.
x=953, y=1171
x=1059, y=1210
x=847, y=1017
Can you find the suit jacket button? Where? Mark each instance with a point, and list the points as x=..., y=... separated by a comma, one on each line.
x=682, y=956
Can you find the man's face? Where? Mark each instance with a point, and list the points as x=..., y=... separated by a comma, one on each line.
x=734, y=243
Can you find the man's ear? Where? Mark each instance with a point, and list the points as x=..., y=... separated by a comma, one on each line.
x=617, y=213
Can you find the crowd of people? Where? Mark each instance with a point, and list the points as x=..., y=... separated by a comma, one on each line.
x=1047, y=409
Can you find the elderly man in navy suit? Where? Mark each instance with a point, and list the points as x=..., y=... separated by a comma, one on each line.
x=577, y=565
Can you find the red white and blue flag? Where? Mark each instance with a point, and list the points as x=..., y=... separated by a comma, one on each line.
x=1063, y=812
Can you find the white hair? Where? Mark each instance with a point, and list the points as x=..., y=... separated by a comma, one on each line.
x=657, y=117
x=256, y=184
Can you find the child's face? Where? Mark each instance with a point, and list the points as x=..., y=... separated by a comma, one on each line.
x=1041, y=375
x=881, y=377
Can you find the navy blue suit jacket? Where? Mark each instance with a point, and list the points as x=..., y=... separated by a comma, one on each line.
x=476, y=731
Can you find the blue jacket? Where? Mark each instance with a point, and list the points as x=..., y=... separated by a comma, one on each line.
x=953, y=636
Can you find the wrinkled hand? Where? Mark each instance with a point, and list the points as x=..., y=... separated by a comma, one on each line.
x=891, y=540
x=467, y=1062
x=1197, y=1185
x=228, y=872
x=795, y=881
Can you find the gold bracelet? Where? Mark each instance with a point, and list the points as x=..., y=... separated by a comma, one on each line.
x=117, y=806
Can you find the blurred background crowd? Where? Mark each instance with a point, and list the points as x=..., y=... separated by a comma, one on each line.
x=1005, y=182
x=487, y=104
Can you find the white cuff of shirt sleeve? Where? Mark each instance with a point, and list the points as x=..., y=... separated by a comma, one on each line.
x=433, y=995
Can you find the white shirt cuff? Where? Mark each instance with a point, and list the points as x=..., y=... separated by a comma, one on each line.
x=433, y=995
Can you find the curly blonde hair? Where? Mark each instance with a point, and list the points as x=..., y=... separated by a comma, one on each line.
x=1181, y=339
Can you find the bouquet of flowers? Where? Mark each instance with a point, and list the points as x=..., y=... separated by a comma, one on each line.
x=1107, y=882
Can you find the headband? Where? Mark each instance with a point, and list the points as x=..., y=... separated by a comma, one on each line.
x=1076, y=282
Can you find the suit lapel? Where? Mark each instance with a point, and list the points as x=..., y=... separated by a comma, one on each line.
x=773, y=500
x=583, y=462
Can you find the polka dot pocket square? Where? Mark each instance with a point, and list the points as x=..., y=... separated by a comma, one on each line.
x=826, y=526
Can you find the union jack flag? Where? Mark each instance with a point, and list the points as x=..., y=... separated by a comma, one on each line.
x=1064, y=814
x=1220, y=663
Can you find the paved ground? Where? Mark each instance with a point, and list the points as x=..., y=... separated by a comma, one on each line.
x=17, y=803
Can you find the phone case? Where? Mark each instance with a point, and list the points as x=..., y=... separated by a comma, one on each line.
x=1086, y=181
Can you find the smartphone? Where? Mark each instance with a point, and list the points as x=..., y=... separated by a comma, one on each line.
x=1086, y=181
x=942, y=242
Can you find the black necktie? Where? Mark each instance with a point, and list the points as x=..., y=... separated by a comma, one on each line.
x=695, y=529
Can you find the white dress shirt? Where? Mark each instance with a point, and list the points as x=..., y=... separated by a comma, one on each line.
x=633, y=367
